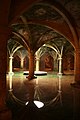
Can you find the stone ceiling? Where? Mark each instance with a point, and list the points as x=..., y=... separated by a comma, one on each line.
x=45, y=11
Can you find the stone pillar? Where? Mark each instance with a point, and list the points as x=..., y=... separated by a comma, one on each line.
x=10, y=65
x=31, y=65
x=77, y=66
x=5, y=113
x=60, y=65
x=22, y=62
x=37, y=63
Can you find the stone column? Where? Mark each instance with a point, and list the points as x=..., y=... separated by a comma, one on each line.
x=77, y=66
x=22, y=62
x=60, y=65
x=5, y=113
x=59, y=89
x=37, y=63
x=31, y=65
x=10, y=66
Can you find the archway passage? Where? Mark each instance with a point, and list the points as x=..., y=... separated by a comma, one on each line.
x=54, y=16
x=16, y=63
x=67, y=24
x=39, y=34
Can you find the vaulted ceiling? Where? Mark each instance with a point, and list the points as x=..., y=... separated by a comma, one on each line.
x=40, y=21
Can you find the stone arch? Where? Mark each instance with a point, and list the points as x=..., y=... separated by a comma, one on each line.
x=58, y=7
x=68, y=22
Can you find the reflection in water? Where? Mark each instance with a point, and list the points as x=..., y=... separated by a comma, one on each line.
x=62, y=103
x=10, y=81
x=60, y=96
x=15, y=99
x=39, y=93
x=36, y=92
x=39, y=104
x=76, y=103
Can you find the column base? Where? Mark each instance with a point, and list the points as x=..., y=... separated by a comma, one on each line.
x=60, y=74
x=75, y=85
x=11, y=73
x=33, y=77
x=10, y=90
x=5, y=114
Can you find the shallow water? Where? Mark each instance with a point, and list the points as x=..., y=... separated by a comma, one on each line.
x=61, y=100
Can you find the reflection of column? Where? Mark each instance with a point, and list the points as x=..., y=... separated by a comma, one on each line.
x=10, y=65
x=37, y=90
x=37, y=64
x=60, y=65
x=31, y=92
x=37, y=81
x=60, y=82
x=59, y=90
x=10, y=82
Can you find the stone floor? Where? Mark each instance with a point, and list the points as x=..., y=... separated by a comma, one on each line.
x=61, y=100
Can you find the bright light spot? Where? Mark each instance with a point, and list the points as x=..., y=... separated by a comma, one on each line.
x=26, y=103
x=39, y=104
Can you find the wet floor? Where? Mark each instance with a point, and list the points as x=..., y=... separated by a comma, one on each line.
x=60, y=100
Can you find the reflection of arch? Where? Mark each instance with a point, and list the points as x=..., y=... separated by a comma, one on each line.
x=39, y=93
x=16, y=62
x=15, y=99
